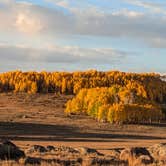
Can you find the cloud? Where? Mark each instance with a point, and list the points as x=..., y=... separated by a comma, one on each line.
x=7, y=1
x=29, y=18
x=32, y=19
x=152, y=6
x=127, y=13
x=28, y=24
x=61, y=54
x=158, y=42
x=62, y=3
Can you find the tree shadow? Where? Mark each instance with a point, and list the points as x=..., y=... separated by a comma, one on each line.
x=162, y=124
x=44, y=132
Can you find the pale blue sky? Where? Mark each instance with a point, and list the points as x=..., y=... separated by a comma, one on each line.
x=126, y=35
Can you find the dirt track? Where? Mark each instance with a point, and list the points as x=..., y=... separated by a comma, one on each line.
x=39, y=119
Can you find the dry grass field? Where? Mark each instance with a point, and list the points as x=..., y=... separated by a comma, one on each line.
x=39, y=119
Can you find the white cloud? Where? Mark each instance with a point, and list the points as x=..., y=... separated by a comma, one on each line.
x=28, y=24
x=62, y=3
x=33, y=19
x=128, y=13
x=152, y=6
x=7, y=1
x=158, y=42
x=61, y=54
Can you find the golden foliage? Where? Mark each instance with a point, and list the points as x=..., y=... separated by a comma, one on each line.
x=107, y=96
x=150, y=86
x=115, y=105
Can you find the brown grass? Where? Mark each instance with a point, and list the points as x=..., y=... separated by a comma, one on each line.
x=39, y=119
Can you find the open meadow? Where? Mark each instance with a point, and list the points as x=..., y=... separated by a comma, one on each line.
x=39, y=119
x=82, y=83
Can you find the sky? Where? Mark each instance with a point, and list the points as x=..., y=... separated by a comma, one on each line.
x=68, y=35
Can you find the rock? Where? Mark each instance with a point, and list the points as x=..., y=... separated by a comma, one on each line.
x=158, y=149
x=145, y=159
x=158, y=152
x=65, y=149
x=136, y=156
x=141, y=161
x=33, y=161
x=8, y=150
x=37, y=148
x=114, y=153
x=86, y=151
x=40, y=148
x=139, y=151
x=50, y=148
x=95, y=161
x=54, y=161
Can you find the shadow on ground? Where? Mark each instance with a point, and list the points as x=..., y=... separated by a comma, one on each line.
x=42, y=132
